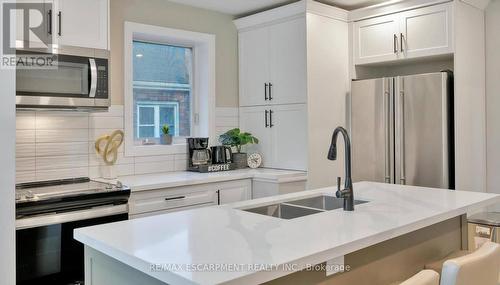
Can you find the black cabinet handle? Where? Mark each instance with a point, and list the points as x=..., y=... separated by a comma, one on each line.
x=267, y=124
x=175, y=198
x=59, y=16
x=395, y=43
x=270, y=91
x=271, y=118
x=218, y=197
x=265, y=91
x=401, y=41
x=49, y=22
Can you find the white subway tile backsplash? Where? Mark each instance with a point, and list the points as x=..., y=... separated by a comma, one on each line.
x=61, y=162
x=42, y=175
x=25, y=120
x=58, y=145
x=25, y=150
x=25, y=176
x=58, y=149
x=70, y=135
x=25, y=136
x=24, y=164
x=157, y=158
x=94, y=134
x=106, y=122
x=57, y=122
x=154, y=167
x=94, y=160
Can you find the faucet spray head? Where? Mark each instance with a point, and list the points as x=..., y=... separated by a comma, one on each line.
x=332, y=152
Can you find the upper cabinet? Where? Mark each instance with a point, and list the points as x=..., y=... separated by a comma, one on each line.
x=411, y=34
x=273, y=64
x=82, y=23
x=376, y=39
x=74, y=23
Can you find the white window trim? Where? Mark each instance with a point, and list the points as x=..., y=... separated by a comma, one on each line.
x=203, y=83
x=156, y=106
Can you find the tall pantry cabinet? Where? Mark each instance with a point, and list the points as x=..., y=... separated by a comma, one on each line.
x=294, y=78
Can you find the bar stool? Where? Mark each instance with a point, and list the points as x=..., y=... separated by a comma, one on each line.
x=424, y=277
x=479, y=267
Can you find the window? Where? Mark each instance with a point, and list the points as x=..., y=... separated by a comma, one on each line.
x=151, y=116
x=168, y=78
x=162, y=90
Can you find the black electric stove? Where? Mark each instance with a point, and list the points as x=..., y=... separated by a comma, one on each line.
x=58, y=196
x=47, y=213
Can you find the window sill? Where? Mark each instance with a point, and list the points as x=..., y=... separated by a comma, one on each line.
x=150, y=150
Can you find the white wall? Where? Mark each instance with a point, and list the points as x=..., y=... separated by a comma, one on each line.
x=493, y=96
x=7, y=175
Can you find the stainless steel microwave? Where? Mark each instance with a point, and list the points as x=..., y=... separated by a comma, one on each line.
x=78, y=81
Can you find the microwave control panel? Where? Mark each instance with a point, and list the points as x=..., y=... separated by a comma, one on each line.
x=102, y=79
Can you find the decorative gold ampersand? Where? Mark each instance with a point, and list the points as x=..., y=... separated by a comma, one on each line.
x=110, y=151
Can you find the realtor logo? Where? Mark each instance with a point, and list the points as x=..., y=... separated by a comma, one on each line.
x=27, y=26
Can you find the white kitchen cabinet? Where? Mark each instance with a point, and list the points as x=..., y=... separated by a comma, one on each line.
x=288, y=136
x=288, y=62
x=256, y=121
x=427, y=31
x=411, y=34
x=272, y=63
x=31, y=39
x=376, y=39
x=282, y=131
x=81, y=23
x=254, y=67
x=159, y=201
x=233, y=191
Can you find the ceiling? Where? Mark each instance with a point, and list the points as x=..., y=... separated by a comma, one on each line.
x=245, y=7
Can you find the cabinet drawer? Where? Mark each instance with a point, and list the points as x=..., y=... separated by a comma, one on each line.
x=160, y=200
x=155, y=213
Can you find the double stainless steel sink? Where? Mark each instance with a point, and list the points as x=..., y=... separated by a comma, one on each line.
x=303, y=207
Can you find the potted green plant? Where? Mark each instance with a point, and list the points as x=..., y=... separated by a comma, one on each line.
x=166, y=137
x=235, y=138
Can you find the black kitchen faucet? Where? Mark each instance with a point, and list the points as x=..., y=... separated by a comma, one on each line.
x=347, y=193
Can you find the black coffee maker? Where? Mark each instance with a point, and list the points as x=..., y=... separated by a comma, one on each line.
x=198, y=153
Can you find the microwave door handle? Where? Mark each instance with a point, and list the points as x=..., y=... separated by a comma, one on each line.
x=93, y=78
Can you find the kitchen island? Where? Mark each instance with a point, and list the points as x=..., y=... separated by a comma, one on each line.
x=398, y=226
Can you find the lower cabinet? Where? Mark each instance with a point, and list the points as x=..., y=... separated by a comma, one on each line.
x=159, y=201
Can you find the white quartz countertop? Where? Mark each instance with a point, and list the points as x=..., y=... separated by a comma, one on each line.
x=199, y=246
x=185, y=178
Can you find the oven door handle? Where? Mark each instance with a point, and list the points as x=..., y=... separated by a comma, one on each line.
x=93, y=78
x=53, y=219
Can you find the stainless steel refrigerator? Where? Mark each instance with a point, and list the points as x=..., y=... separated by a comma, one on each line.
x=402, y=130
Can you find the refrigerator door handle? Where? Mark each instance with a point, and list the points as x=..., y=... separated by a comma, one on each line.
x=387, y=112
x=402, y=178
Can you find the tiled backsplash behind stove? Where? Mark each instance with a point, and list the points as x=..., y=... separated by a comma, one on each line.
x=57, y=145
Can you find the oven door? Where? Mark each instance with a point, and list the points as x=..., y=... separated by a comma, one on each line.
x=48, y=254
x=73, y=83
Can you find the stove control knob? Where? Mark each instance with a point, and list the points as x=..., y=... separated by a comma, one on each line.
x=18, y=196
x=119, y=184
x=29, y=195
x=109, y=187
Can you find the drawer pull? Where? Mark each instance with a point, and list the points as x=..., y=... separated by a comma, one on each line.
x=175, y=198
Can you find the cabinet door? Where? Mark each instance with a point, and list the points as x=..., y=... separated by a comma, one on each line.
x=254, y=66
x=376, y=39
x=427, y=31
x=255, y=120
x=43, y=33
x=234, y=191
x=82, y=23
x=288, y=62
x=289, y=136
